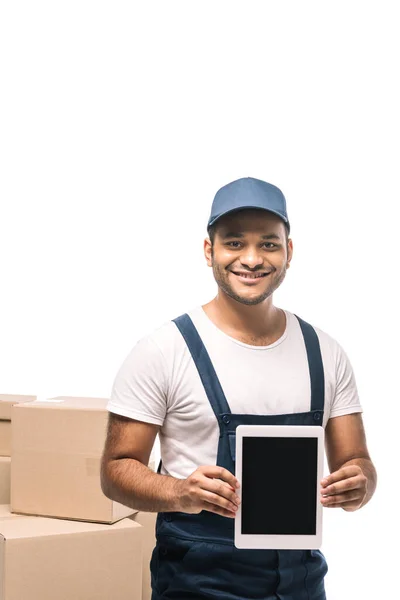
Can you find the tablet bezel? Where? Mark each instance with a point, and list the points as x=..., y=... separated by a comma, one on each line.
x=284, y=541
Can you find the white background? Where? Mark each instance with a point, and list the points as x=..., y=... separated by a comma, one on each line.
x=119, y=122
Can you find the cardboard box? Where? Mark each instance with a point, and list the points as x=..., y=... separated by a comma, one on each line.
x=148, y=522
x=56, y=454
x=6, y=403
x=8, y=400
x=5, y=476
x=44, y=559
x=5, y=438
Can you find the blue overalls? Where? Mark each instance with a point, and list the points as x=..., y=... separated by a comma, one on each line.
x=195, y=557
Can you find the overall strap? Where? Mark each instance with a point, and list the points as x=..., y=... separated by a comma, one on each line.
x=210, y=379
x=314, y=364
x=204, y=365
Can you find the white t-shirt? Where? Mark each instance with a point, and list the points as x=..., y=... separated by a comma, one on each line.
x=158, y=383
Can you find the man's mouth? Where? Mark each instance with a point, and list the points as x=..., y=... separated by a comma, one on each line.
x=249, y=277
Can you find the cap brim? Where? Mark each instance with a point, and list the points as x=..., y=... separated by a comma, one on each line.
x=228, y=212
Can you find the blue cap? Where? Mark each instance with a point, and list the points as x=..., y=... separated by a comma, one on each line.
x=248, y=192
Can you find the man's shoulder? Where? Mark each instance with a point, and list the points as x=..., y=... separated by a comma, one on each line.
x=332, y=350
x=326, y=339
x=166, y=335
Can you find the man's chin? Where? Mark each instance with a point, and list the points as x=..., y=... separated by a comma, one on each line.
x=248, y=301
x=253, y=301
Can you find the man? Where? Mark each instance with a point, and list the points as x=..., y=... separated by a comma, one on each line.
x=236, y=359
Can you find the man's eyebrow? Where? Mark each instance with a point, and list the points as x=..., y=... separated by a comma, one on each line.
x=238, y=234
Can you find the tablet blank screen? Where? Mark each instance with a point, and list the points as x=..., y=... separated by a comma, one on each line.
x=279, y=485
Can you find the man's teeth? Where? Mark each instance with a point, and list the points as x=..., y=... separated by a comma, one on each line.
x=251, y=276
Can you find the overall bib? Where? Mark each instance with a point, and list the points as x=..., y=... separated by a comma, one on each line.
x=195, y=557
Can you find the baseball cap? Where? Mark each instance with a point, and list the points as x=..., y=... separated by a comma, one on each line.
x=248, y=192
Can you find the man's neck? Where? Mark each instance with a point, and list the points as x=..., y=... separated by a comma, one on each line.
x=264, y=322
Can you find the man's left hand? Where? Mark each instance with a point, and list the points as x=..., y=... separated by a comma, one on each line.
x=345, y=488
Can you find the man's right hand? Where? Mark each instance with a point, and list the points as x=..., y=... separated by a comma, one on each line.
x=209, y=488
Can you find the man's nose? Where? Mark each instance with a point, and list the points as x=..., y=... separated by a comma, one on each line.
x=251, y=258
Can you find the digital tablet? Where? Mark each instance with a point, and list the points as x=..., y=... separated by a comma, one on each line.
x=279, y=468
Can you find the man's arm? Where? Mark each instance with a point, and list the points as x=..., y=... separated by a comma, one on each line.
x=126, y=478
x=353, y=478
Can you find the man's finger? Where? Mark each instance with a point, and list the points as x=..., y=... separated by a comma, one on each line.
x=218, y=500
x=220, y=473
x=341, y=498
x=224, y=483
x=214, y=508
x=343, y=473
x=219, y=489
x=353, y=483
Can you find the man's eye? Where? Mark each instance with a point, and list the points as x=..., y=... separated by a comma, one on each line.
x=268, y=244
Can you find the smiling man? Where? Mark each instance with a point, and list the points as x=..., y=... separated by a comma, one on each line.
x=238, y=359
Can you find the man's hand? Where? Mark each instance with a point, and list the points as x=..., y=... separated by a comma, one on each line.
x=209, y=488
x=345, y=488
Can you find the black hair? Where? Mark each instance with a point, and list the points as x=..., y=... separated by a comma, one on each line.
x=212, y=231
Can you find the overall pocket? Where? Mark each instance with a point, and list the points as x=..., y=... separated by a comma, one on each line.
x=170, y=561
x=317, y=568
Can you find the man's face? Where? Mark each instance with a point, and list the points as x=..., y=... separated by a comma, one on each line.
x=247, y=244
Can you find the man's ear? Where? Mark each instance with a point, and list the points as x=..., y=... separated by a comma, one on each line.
x=290, y=253
x=208, y=251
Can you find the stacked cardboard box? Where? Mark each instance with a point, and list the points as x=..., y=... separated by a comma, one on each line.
x=5, y=476
x=60, y=517
x=56, y=453
x=43, y=559
x=148, y=522
x=6, y=403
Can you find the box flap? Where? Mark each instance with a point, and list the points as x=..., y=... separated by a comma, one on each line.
x=77, y=402
x=120, y=511
x=8, y=400
x=29, y=527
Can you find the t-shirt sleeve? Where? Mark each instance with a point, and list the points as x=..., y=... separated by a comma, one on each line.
x=346, y=399
x=139, y=389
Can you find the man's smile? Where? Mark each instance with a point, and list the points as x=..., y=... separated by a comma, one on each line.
x=249, y=278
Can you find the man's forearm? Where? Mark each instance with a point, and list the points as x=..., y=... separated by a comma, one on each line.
x=369, y=471
x=131, y=483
